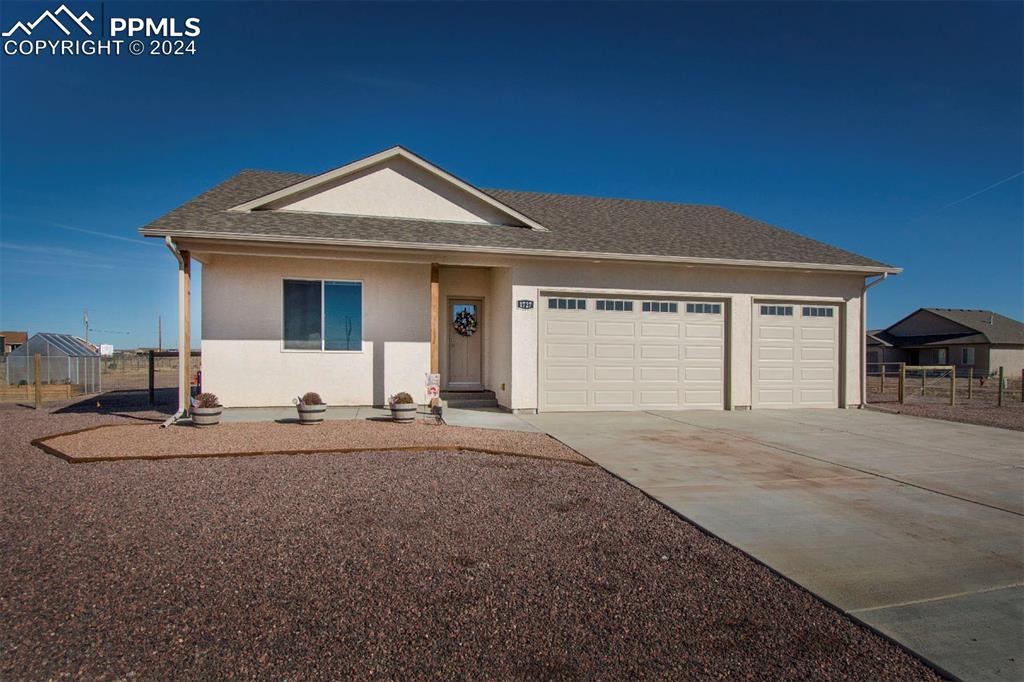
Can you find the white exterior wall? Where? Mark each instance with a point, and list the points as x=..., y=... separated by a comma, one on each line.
x=740, y=287
x=245, y=363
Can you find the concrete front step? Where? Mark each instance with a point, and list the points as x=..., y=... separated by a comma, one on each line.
x=469, y=399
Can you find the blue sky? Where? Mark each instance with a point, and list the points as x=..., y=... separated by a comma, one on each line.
x=867, y=125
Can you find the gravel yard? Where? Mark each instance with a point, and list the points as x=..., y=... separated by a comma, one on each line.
x=1009, y=416
x=383, y=565
x=152, y=441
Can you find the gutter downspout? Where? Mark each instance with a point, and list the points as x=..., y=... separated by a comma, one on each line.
x=182, y=404
x=864, y=334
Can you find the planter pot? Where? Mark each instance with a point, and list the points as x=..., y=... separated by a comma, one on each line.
x=404, y=413
x=311, y=414
x=206, y=416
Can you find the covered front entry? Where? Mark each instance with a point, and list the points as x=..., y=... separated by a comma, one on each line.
x=465, y=344
x=795, y=355
x=602, y=352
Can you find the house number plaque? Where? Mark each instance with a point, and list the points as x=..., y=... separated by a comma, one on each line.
x=524, y=304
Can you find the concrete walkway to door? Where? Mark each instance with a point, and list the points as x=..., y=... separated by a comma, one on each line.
x=913, y=526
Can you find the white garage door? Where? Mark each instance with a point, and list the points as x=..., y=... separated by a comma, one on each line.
x=795, y=355
x=607, y=353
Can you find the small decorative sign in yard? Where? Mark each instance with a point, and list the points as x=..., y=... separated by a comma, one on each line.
x=524, y=304
x=433, y=386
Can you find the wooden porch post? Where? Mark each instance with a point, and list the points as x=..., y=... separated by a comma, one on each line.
x=185, y=333
x=435, y=312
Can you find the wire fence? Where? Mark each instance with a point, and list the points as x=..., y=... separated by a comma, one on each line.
x=83, y=373
x=87, y=375
x=941, y=384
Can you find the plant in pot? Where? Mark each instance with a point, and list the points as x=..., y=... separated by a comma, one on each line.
x=403, y=408
x=311, y=408
x=206, y=410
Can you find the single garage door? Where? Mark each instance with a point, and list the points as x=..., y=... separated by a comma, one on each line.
x=795, y=355
x=607, y=353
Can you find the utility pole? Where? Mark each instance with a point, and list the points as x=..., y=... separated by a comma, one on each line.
x=85, y=323
x=160, y=332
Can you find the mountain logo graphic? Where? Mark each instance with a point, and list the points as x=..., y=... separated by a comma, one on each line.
x=68, y=15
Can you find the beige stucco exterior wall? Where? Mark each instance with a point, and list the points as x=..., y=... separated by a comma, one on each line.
x=738, y=287
x=397, y=188
x=245, y=363
x=1010, y=359
x=500, y=318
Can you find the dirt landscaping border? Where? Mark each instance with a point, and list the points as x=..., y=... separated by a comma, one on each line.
x=41, y=443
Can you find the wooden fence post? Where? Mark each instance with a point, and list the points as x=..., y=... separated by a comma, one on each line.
x=883, y=380
x=1000, y=403
x=152, y=397
x=37, y=366
x=1022, y=385
x=903, y=380
x=952, y=386
x=924, y=378
x=970, y=383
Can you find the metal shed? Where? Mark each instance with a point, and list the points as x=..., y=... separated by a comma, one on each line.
x=66, y=359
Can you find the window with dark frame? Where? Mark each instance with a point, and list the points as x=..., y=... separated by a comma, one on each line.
x=660, y=307
x=567, y=304
x=704, y=308
x=614, y=305
x=809, y=311
x=780, y=310
x=323, y=315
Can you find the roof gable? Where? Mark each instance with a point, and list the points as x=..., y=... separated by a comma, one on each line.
x=957, y=325
x=392, y=184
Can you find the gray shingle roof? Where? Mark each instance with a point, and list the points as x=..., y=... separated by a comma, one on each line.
x=1002, y=330
x=576, y=223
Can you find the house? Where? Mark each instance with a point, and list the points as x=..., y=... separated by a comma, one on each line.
x=359, y=282
x=12, y=340
x=978, y=339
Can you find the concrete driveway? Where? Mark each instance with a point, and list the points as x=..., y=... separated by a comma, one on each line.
x=913, y=526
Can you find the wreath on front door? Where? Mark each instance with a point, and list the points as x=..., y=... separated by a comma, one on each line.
x=465, y=323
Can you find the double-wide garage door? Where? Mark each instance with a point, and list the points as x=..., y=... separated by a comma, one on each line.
x=633, y=353
x=608, y=353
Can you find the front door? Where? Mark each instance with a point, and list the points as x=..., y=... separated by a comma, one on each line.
x=465, y=344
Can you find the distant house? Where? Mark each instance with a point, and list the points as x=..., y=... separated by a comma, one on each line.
x=12, y=340
x=980, y=339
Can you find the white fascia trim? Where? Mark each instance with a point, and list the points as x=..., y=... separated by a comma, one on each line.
x=391, y=153
x=526, y=253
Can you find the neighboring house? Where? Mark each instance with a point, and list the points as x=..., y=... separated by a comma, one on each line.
x=12, y=340
x=358, y=282
x=980, y=339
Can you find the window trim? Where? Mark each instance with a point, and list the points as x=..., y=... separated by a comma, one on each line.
x=323, y=281
x=963, y=354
